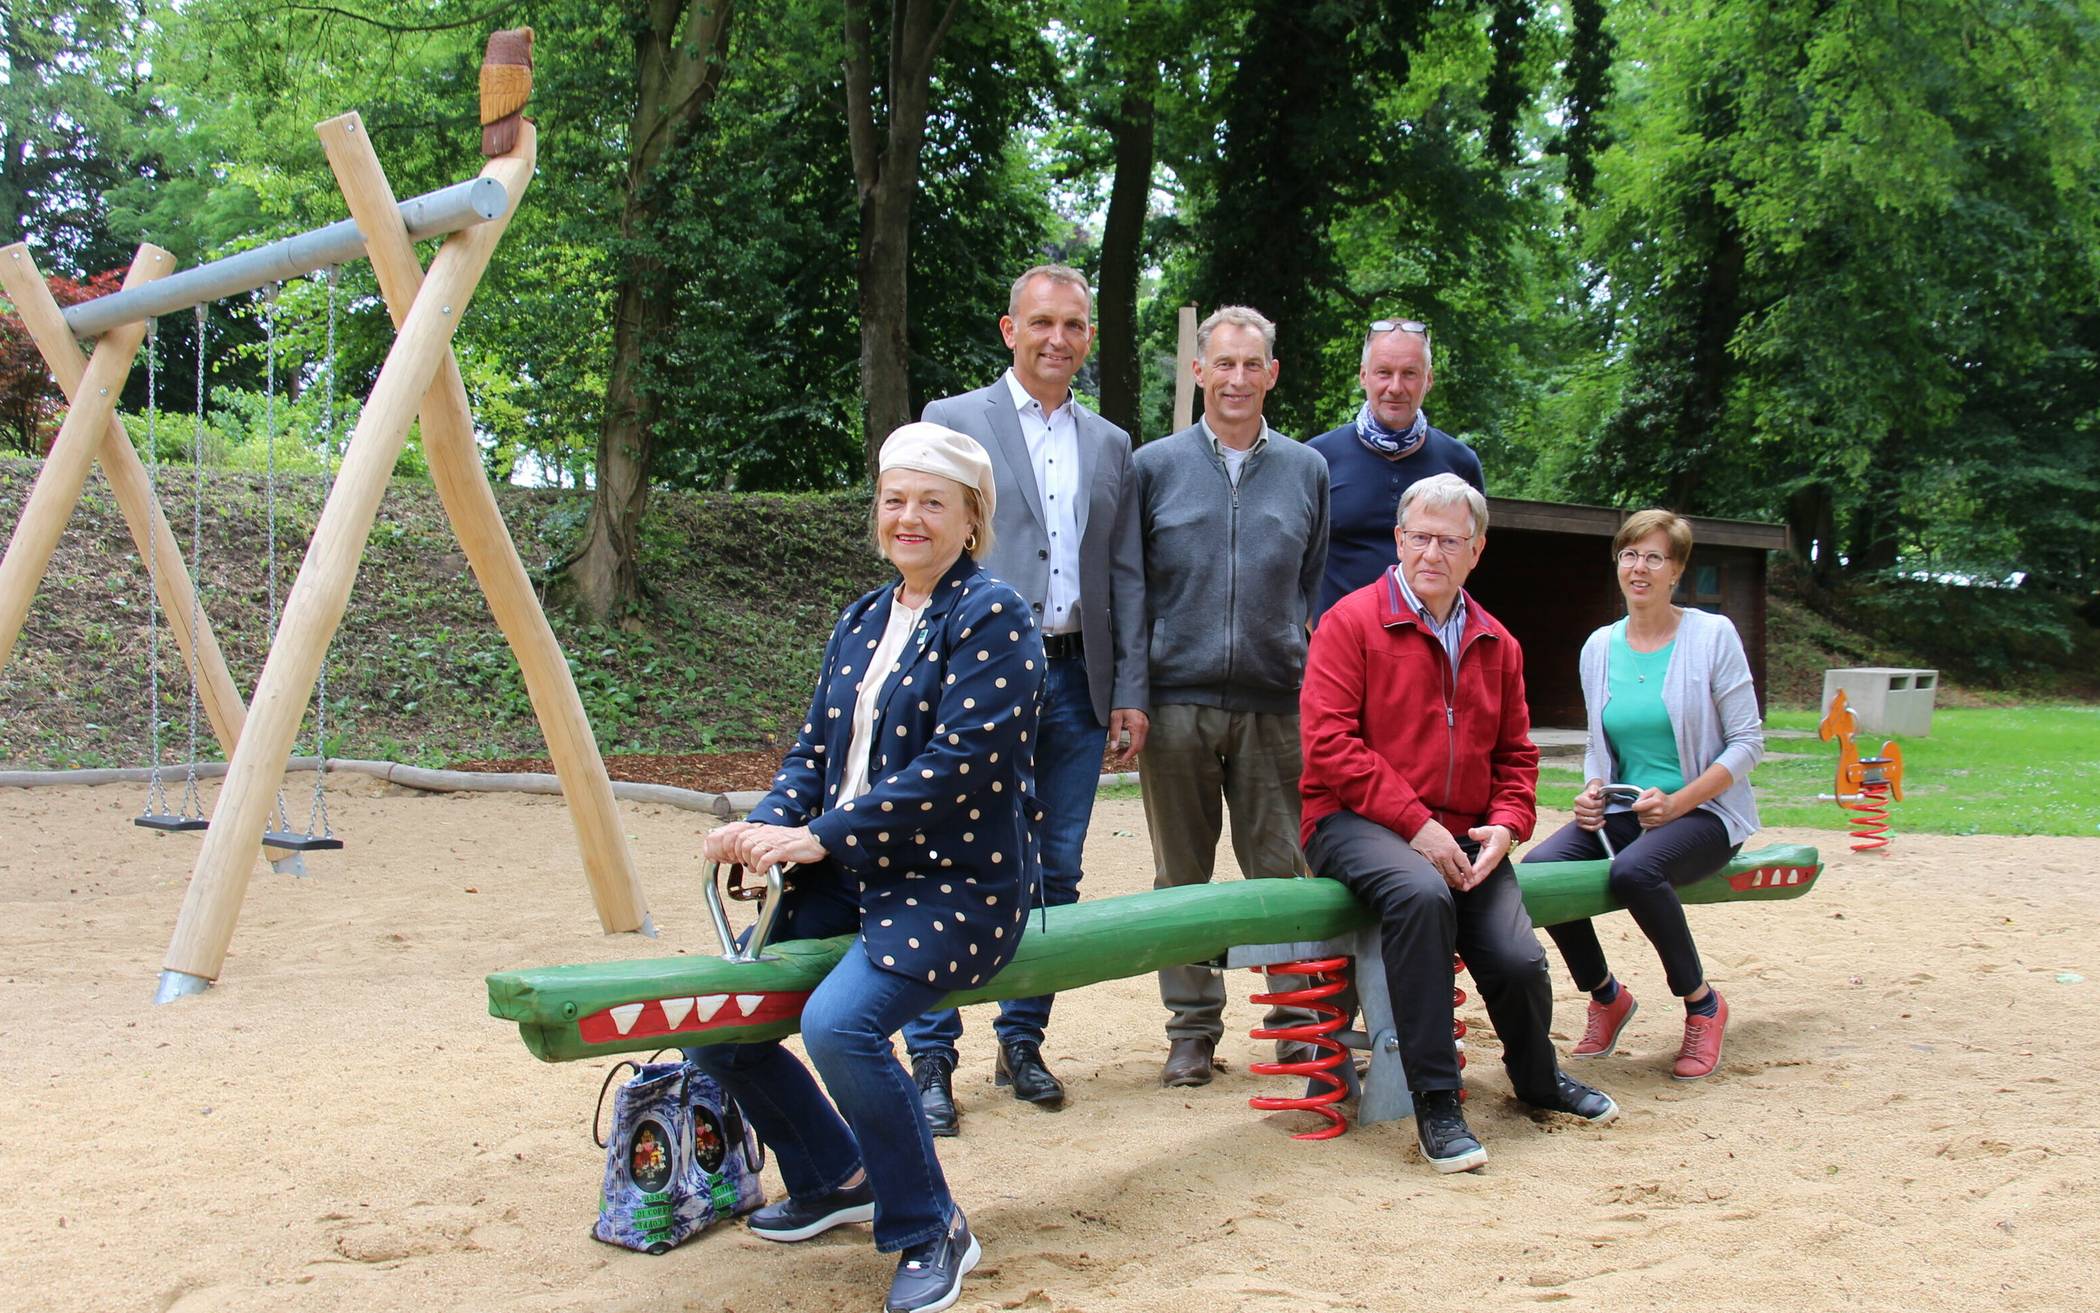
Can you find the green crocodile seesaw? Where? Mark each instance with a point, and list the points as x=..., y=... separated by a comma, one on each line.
x=570, y=1012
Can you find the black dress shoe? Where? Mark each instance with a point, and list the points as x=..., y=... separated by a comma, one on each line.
x=1440, y=1128
x=1020, y=1065
x=935, y=1077
x=792, y=1219
x=929, y=1275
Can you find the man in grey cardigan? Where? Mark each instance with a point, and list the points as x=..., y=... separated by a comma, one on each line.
x=1234, y=517
x=1065, y=534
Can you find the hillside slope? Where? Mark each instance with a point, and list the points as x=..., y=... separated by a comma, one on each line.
x=722, y=659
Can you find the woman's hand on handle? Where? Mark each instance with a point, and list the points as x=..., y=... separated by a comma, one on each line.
x=1589, y=806
x=1656, y=808
x=780, y=845
x=721, y=844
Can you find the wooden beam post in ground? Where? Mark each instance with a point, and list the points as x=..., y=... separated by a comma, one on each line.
x=72, y=454
x=219, y=695
x=315, y=605
x=1184, y=380
x=455, y=467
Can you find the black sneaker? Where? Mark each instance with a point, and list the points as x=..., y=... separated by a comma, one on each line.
x=1440, y=1128
x=1576, y=1099
x=792, y=1219
x=935, y=1077
x=929, y=1275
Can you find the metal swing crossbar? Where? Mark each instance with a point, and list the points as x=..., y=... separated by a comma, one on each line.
x=434, y=214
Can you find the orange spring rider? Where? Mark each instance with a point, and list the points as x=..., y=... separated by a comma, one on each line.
x=1864, y=784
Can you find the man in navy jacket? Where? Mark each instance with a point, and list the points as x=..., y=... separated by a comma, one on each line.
x=1382, y=452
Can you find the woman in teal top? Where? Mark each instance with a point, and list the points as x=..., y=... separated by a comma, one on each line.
x=1673, y=714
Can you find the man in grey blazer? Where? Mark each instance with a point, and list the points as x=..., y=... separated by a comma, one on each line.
x=1066, y=538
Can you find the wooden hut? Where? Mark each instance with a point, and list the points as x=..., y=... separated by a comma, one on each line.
x=1547, y=574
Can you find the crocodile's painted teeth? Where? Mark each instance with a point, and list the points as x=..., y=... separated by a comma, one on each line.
x=709, y=1004
x=623, y=1016
x=748, y=1003
x=675, y=1009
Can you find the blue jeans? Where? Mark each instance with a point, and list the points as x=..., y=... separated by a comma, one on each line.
x=1068, y=747
x=846, y=1027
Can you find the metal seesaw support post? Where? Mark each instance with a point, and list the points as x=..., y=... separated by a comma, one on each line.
x=435, y=214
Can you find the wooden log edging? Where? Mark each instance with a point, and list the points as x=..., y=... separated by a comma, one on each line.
x=427, y=780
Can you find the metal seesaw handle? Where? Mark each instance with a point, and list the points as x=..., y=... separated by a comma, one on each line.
x=768, y=908
x=1624, y=794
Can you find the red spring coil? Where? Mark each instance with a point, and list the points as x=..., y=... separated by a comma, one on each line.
x=1326, y=981
x=1458, y=1025
x=1870, y=816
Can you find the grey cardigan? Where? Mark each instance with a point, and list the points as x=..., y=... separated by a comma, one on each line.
x=1712, y=706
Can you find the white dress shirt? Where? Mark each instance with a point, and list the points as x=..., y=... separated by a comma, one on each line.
x=1053, y=450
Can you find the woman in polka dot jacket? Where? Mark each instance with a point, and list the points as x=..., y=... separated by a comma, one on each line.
x=905, y=805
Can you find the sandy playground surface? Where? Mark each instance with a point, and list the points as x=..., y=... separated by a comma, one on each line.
x=1906, y=1117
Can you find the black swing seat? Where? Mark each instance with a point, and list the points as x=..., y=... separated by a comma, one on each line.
x=293, y=841
x=171, y=822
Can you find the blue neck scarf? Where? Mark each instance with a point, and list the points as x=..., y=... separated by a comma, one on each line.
x=1391, y=443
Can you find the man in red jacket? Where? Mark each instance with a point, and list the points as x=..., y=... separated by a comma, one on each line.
x=1420, y=775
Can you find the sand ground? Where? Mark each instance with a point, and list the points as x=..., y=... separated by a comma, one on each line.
x=1906, y=1117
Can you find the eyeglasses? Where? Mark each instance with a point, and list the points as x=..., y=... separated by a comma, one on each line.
x=1653, y=560
x=1446, y=543
x=1399, y=326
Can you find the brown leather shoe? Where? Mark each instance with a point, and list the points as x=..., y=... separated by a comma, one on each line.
x=1188, y=1062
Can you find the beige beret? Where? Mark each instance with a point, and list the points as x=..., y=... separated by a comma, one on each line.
x=938, y=449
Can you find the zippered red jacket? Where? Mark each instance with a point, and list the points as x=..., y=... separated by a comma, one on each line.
x=1389, y=734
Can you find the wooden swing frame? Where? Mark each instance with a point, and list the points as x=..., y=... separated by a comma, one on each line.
x=420, y=374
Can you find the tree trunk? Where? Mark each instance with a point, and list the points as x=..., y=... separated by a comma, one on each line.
x=1812, y=529
x=679, y=59
x=886, y=175
x=1122, y=377
x=1720, y=312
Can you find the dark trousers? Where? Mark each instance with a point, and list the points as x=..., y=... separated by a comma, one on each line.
x=1422, y=921
x=1644, y=879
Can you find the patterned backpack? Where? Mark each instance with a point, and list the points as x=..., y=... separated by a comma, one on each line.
x=680, y=1157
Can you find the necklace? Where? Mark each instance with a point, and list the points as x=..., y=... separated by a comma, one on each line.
x=1641, y=674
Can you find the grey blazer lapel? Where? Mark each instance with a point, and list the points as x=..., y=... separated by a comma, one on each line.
x=1088, y=427
x=1010, y=446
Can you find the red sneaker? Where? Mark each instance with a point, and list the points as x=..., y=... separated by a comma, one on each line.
x=1601, y=1034
x=1701, y=1051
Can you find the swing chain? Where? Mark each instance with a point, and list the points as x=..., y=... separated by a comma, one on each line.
x=156, y=793
x=191, y=805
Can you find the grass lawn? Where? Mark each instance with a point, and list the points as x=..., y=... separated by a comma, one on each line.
x=1983, y=770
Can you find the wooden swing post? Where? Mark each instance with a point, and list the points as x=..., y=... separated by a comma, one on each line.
x=216, y=691
x=72, y=455
x=319, y=595
x=455, y=467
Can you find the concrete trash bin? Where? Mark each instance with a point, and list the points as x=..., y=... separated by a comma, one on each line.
x=1894, y=700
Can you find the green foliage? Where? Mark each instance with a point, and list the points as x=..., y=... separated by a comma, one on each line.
x=1847, y=276
x=1829, y=263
